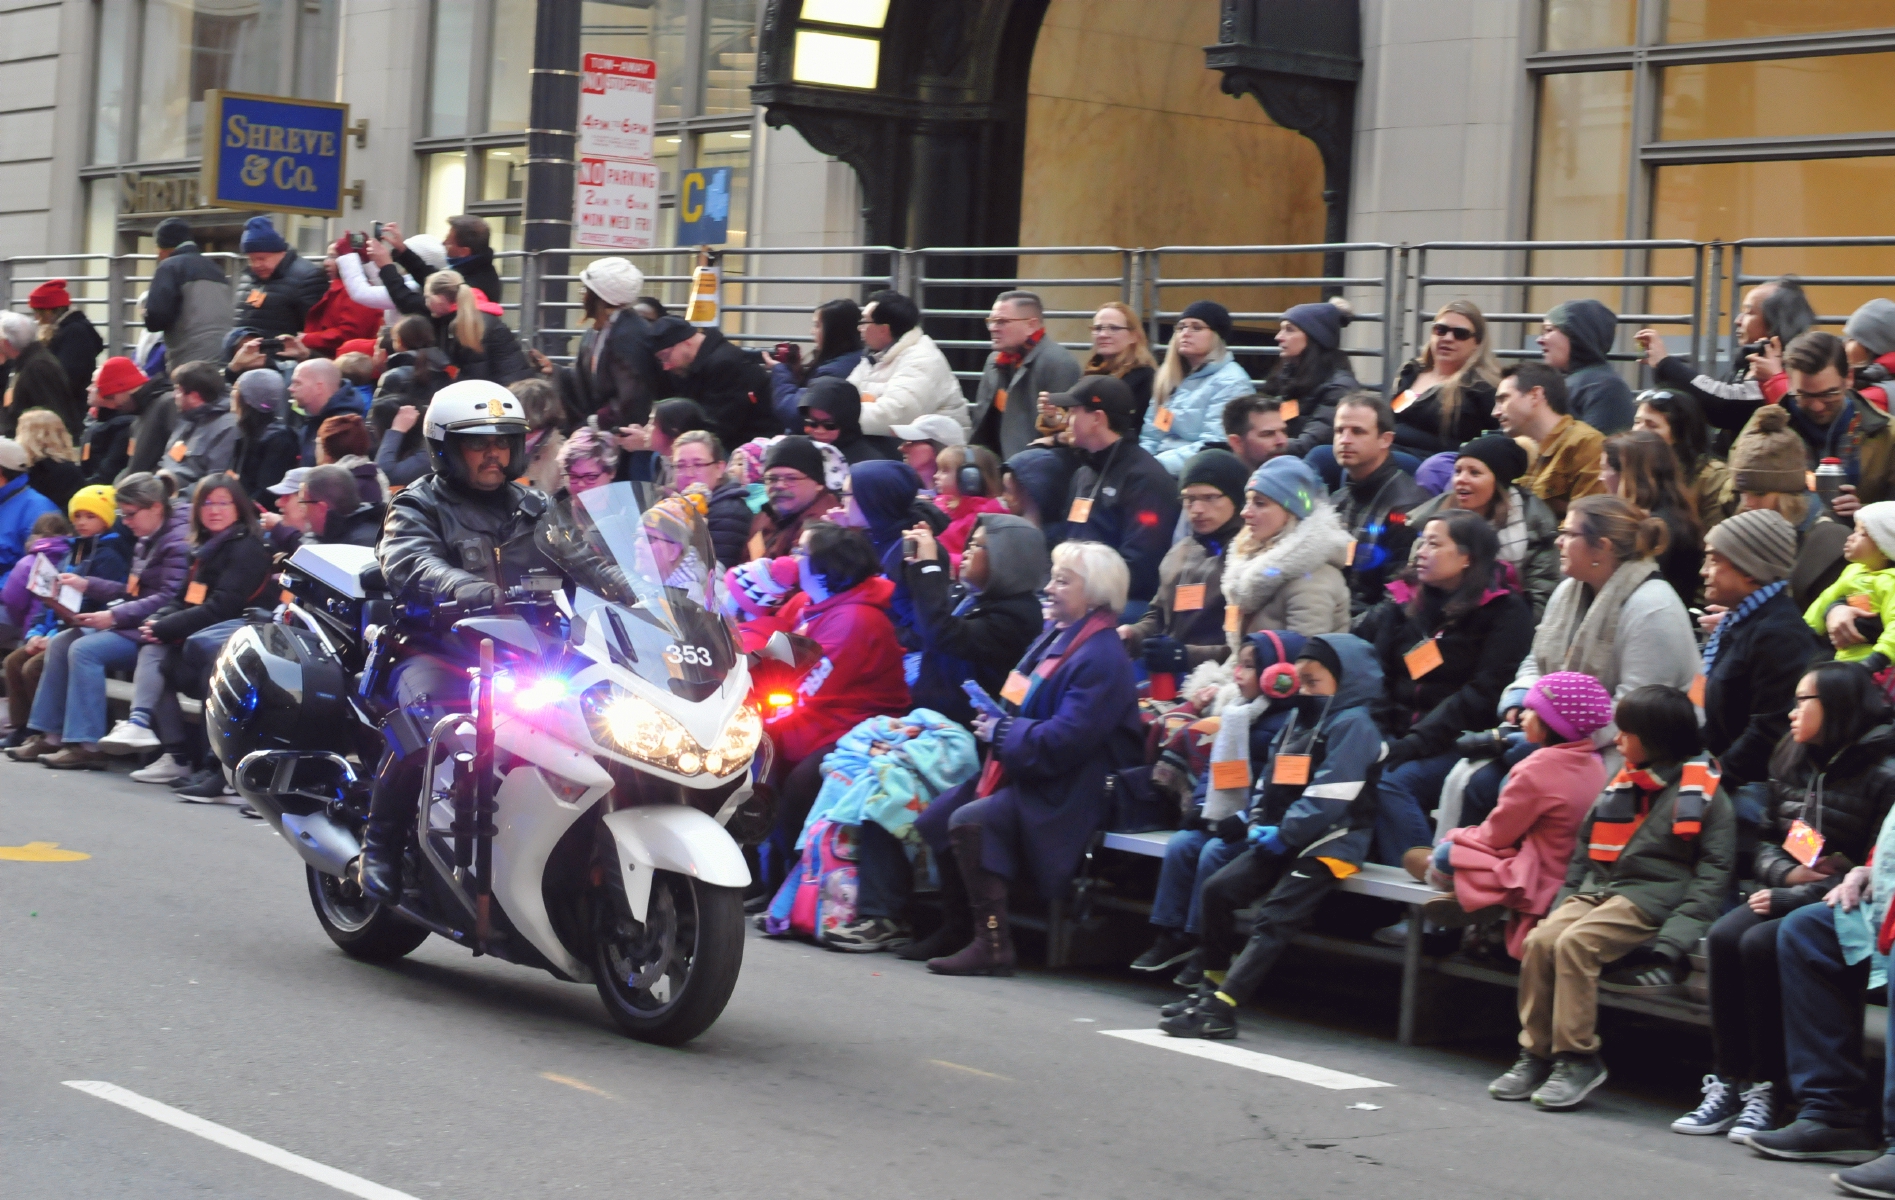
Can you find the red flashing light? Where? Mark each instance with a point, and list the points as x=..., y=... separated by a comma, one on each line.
x=782, y=699
x=1148, y=518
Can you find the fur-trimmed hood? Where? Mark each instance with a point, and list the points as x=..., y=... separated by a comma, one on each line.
x=1252, y=576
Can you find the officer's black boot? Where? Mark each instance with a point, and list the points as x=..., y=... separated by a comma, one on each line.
x=391, y=811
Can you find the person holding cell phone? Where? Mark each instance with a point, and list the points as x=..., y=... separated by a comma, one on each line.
x=1832, y=782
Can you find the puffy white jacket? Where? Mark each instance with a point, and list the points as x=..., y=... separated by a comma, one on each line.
x=362, y=289
x=910, y=379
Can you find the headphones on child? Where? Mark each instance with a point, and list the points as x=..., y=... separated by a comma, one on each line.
x=1278, y=680
x=969, y=480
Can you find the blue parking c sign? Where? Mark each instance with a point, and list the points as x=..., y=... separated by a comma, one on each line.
x=704, y=207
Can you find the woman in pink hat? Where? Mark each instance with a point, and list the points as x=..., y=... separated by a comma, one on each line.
x=1515, y=860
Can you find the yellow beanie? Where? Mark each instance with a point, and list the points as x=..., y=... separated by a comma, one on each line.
x=99, y=500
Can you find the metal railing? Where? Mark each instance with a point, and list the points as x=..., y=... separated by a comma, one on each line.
x=1395, y=289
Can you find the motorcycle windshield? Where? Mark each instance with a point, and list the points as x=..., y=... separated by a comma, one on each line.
x=650, y=564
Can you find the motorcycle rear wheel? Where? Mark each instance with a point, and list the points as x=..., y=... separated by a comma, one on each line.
x=667, y=980
x=358, y=925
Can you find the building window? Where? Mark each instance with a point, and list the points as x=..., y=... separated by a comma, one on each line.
x=156, y=59
x=1642, y=134
x=474, y=157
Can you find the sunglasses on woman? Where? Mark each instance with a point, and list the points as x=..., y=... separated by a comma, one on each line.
x=1443, y=329
x=817, y=423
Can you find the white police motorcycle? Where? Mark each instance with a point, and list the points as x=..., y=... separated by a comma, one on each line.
x=575, y=818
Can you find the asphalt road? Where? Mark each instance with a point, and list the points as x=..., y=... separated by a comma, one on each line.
x=181, y=961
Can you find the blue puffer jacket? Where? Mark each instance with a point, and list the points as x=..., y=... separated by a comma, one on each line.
x=20, y=506
x=1197, y=412
x=786, y=394
x=1333, y=816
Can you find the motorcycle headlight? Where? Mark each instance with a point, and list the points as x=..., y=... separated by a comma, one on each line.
x=644, y=731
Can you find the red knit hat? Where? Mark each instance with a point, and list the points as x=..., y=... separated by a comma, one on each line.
x=51, y=294
x=118, y=375
x=357, y=346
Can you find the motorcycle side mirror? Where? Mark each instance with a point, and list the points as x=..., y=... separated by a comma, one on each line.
x=780, y=649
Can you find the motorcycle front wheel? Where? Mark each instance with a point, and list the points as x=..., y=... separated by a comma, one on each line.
x=358, y=924
x=666, y=980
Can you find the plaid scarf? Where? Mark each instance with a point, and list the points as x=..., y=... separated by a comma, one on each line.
x=1012, y=358
x=1749, y=605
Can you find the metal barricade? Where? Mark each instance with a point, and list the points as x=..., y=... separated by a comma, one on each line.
x=1743, y=275
x=966, y=294
x=1632, y=285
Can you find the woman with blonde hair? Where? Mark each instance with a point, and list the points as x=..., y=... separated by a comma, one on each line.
x=473, y=339
x=1119, y=348
x=1198, y=378
x=1445, y=396
x=52, y=463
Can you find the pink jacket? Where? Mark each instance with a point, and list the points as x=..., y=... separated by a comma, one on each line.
x=1517, y=857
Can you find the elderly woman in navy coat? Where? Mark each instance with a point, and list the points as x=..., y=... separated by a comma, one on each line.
x=1077, y=721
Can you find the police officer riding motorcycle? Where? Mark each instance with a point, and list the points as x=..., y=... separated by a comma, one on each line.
x=462, y=535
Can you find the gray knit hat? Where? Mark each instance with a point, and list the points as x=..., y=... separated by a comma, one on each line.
x=1873, y=326
x=1767, y=456
x=1758, y=542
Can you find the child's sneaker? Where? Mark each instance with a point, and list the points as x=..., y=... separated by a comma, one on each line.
x=1573, y=1079
x=1718, y=1112
x=1212, y=1018
x=1759, y=1115
x=1524, y=1078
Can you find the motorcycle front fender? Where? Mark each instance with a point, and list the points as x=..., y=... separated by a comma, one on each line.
x=674, y=838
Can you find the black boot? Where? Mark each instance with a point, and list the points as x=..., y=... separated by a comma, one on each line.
x=391, y=811
x=379, y=869
x=957, y=924
x=991, y=951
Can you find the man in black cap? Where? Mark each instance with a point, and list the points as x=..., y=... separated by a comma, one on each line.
x=796, y=480
x=1121, y=495
x=727, y=383
x=189, y=299
x=1185, y=624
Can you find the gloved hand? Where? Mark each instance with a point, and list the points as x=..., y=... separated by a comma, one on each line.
x=1231, y=829
x=477, y=595
x=1167, y=654
x=1400, y=751
x=1267, y=837
x=1485, y=743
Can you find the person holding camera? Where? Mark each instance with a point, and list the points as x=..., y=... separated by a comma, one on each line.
x=336, y=317
x=979, y=628
x=835, y=349
x=1772, y=316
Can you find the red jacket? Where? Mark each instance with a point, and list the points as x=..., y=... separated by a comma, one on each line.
x=963, y=512
x=859, y=677
x=335, y=319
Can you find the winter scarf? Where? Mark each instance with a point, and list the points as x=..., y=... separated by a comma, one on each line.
x=1748, y=605
x=1575, y=636
x=1513, y=535
x=1009, y=359
x=1232, y=742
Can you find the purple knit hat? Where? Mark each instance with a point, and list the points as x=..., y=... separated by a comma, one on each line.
x=1573, y=705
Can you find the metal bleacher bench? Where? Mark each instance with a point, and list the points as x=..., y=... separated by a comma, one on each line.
x=1420, y=971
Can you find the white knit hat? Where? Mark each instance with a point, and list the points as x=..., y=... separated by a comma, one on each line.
x=429, y=249
x=613, y=280
x=1878, y=520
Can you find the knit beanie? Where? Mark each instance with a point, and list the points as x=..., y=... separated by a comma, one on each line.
x=118, y=375
x=429, y=249
x=1219, y=469
x=171, y=233
x=262, y=390
x=1767, y=456
x=1873, y=325
x=261, y=237
x=1211, y=313
x=1573, y=705
x=1288, y=480
x=1499, y=454
x=798, y=453
x=1758, y=542
x=667, y=332
x=98, y=499
x=1318, y=648
x=614, y=280
x=1322, y=322
x=1878, y=520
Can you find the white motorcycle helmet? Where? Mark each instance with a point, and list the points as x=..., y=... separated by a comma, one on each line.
x=474, y=408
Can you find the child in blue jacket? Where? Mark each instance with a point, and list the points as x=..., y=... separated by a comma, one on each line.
x=1311, y=830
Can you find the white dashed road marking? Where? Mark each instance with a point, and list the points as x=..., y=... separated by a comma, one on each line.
x=342, y=1181
x=1249, y=1060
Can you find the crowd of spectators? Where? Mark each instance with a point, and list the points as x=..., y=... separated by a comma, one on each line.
x=1607, y=669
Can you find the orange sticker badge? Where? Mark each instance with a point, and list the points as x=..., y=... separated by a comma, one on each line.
x=1163, y=419
x=1423, y=658
x=1016, y=688
x=1231, y=775
x=1290, y=770
x=1081, y=511
x=1190, y=598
